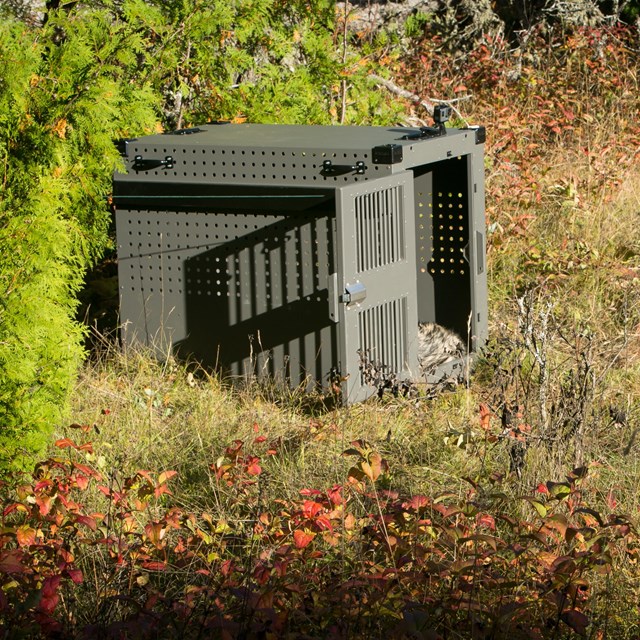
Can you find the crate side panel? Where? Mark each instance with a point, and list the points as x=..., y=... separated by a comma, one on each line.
x=246, y=292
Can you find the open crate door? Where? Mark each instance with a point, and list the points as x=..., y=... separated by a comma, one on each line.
x=375, y=298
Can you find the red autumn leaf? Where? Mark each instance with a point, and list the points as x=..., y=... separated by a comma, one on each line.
x=146, y=475
x=75, y=575
x=260, y=439
x=302, y=538
x=16, y=506
x=226, y=567
x=88, y=521
x=161, y=489
x=486, y=520
x=335, y=495
x=311, y=509
x=418, y=502
x=50, y=598
x=82, y=481
x=64, y=443
x=253, y=468
x=42, y=484
x=44, y=504
x=577, y=620
x=87, y=470
x=10, y=562
x=154, y=565
x=310, y=492
x=234, y=450
x=323, y=522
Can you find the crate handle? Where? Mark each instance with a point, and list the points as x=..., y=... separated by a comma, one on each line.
x=145, y=164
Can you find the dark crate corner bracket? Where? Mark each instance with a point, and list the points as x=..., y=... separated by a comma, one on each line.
x=290, y=251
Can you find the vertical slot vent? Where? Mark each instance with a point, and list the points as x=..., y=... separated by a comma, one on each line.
x=379, y=229
x=383, y=334
x=479, y=253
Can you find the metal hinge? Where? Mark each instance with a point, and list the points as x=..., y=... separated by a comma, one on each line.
x=328, y=168
x=144, y=164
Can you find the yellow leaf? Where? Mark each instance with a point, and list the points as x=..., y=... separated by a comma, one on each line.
x=60, y=128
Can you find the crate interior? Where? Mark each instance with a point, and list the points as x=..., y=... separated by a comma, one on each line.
x=442, y=217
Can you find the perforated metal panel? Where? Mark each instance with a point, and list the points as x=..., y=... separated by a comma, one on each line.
x=288, y=250
x=244, y=290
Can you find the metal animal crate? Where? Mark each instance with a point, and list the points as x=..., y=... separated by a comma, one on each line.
x=293, y=250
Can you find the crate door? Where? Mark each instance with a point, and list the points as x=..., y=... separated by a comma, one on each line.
x=376, y=296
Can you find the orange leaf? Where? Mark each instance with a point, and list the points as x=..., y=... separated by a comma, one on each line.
x=25, y=535
x=60, y=128
x=82, y=481
x=303, y=538
x=253, y=468
x=44, y=504
x=64, y=443
x=154, y=565
x=154, y=532
x=166, y=475
x=373, y=467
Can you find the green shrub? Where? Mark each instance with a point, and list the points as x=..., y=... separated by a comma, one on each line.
x=62, y=102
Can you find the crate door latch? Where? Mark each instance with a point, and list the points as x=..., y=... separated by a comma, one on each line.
x=352, y=294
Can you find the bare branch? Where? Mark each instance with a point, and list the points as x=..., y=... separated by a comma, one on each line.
x=426, y=103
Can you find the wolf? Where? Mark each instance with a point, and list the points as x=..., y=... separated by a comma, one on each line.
x=437, y=346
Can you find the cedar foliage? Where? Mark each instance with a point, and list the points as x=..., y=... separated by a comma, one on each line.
x=62, y=102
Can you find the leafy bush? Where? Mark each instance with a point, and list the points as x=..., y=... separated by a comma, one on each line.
x=351, y=559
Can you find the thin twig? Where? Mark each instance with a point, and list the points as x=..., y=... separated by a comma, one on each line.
x=345, y=42
x=426, y=103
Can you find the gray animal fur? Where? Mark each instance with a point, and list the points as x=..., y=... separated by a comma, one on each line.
x=437, y=346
